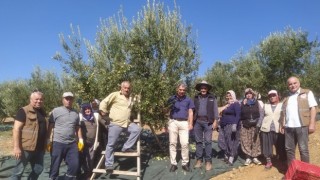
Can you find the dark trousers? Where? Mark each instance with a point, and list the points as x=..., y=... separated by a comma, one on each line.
x=67, y=152
x=36, y=161
x=203, y=136
x=294, y=136
x=269, y=139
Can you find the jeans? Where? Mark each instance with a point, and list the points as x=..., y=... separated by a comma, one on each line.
x=203, y=136
x=181, y=129
x=293, y=136
x=67, y=152
x=36, y=161
x=114, y=133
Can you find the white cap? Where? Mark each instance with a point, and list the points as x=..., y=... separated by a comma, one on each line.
x=273, y=92
x=67, y=94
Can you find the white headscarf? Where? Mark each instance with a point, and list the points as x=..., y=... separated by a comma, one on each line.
x=233, y=95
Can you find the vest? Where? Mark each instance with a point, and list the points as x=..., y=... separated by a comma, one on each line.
x=90, y=130
x=250, y=112
x=271, y=116
x=29, y=132
x=303, y=108
x=210, y=107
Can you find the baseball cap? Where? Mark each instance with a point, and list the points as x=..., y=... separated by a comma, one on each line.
x=273, y=92
x=67, y=94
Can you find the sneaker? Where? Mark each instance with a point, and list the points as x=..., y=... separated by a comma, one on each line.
x=248, y=162
x=256, y=161
x=268, y=165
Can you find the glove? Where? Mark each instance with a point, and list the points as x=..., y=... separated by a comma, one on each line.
x=80, y=145
x=49, y=145
x=234, y=127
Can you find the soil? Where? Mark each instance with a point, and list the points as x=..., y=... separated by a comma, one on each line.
x=248, y=172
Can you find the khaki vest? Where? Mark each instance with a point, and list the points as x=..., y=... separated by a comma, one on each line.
x=271, y=116
x=303, y=107
x=29, y=132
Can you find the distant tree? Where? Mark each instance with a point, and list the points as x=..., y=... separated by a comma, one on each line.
x=221, y=76
x=284, y=54
x=154, y=52
x=14, y=95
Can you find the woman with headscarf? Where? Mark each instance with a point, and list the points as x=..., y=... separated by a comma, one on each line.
x=251, y=115
x=228, y=139
x=89, y=123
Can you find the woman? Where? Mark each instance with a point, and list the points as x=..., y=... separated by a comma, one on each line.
x=89, y=123
x=228, y=139
x=251, y=115
x=270, y=128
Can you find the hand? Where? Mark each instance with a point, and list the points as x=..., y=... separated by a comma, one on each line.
x=234, y=127
x=257, y=130
x=312, y=128
x=49, y=145
x=282, y=130
x=80, y=145
x=190, y=127
x=17, y=153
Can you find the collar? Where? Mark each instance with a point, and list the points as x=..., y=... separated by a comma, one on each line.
x=297, y=92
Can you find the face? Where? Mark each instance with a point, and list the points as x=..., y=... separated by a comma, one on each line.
x=249, y=95
x=181, y=91
x=67, y=102
x=87, y=111
x=125, y=89
x=203, y=90
x=293, y=84
x=36, y=100
x=94, y=105
x=228, y=97
x=273, y=98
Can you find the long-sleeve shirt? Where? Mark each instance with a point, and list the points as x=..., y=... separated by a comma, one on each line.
x=231, y=115
x=119, y=108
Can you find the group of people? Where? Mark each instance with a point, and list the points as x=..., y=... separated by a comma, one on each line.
x=73, y=137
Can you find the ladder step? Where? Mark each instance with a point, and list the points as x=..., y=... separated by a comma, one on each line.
x=129, y=173
x=125, y=154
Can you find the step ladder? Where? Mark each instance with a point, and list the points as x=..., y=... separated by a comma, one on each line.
x=136, y=173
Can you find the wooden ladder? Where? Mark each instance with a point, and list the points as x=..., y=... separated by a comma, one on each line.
x=137, y=173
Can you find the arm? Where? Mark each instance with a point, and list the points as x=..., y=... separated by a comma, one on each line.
x=17, y=149
x=105, y=104
x=261, y=113
x=190, y=118
x=312, y=125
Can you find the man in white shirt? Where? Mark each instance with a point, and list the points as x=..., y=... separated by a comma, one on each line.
x=299, y=116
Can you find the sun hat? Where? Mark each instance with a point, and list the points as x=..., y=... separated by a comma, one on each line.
x=203, y=83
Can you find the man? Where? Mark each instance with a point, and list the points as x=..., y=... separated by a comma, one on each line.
x=206, y=113
x=118, y=106
x=64, y=121
x=29, y=132
x=180, y=122
x=299, y=114
x=269, y=128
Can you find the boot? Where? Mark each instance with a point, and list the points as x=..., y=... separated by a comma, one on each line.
x=198, y=164
x=208, y=166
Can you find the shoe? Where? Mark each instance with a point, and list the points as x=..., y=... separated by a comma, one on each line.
x=208, y=166
x=268, y=165
x=186, y=168
x=198, y=164
x=109, y=169
x=256, y=161
x=230, y=161
x=226, y=159
x=173, y=168
x=129, y=150
x=248, y=162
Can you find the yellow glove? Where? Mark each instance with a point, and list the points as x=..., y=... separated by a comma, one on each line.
x=49, y=145
x=80, y=145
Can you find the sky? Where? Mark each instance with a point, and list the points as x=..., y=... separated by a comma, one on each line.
x=29, y=35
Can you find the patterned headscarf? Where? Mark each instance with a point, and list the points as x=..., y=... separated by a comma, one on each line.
x=84, y=115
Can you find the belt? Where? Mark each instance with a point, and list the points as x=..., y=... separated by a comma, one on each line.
x=202, y=118
x=179, y=119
